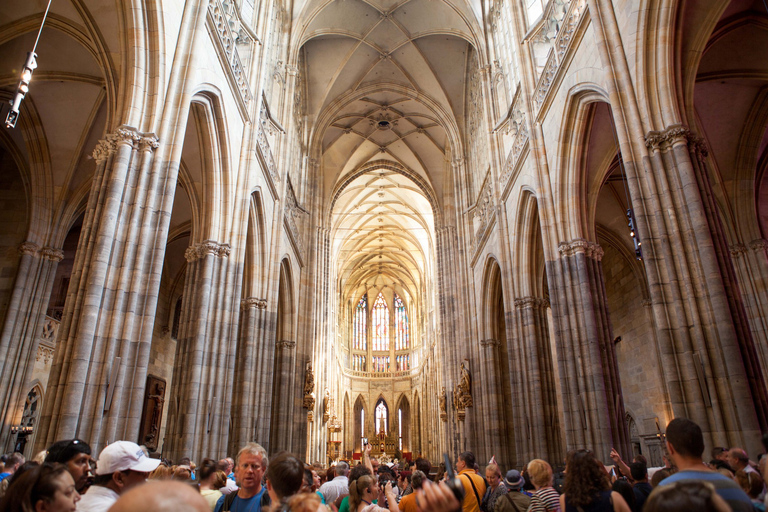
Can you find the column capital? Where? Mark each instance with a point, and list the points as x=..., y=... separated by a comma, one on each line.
x=287, y=344
x=664, y=139
x=737, y=249
x=52, y=254
x=579, y=245
x=253, y=302
x=29, y=248
x=197, y=251
x=531, y=303
x=758, y=244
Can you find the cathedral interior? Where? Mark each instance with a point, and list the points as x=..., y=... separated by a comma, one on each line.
x=515, y=227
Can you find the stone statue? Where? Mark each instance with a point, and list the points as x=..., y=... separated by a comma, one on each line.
x=465, y=385
x=309, y=388
x=326, y=406
x=309, y=380
x=442, y=401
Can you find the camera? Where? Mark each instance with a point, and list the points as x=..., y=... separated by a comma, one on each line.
x=365, y=441
x=454, y=484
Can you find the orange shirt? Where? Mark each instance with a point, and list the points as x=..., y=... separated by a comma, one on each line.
x=471, y=503
x=408, y=503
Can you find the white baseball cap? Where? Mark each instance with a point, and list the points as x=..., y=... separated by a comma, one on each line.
x=124, y=456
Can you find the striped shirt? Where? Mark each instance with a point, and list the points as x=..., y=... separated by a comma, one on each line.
x=725, y=487
x=545, y=499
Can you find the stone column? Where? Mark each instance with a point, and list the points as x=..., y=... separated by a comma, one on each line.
x=589, y=380
x=446, y=248
x=537, y=427
x=22, y=329
x=283, y=403
x=204, y=364
x=492, y=401
x=708, y=354
x=750, y=262
x=96, y=388
x=252, y=400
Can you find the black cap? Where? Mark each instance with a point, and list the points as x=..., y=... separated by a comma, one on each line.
x=62, y=451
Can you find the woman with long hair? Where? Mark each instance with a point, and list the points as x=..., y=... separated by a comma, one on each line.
x=587, y=487
x=364, y=491
x=45, y=488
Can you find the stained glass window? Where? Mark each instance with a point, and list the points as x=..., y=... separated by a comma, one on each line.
x=380, y=364
x=403, y=362
x=358, y=363
x=380, y=322
x=359, y=324
x=381, y=417
x=402, y=331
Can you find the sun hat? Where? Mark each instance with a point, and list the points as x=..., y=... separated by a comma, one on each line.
x=514, y=480
x=124, y=456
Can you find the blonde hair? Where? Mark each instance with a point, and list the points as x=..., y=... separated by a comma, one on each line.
x=357, y=488
x=494, y=468
x=540, y=472
x=162, y=472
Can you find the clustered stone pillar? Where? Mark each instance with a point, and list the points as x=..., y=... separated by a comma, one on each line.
x=708, y=355
x=751, y=266
x=446, y=246
x=589, y=379
x=254, y=365
x=283, y=404
x=204, y=365
x=537, y=427
x=21, y=331
x=96, y=386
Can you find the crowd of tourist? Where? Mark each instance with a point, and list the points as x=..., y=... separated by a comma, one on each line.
x=125, y=477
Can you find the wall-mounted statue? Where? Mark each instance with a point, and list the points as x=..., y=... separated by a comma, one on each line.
x=441, y=400
x=309, y=387
x=326, y=406
x=465, y=385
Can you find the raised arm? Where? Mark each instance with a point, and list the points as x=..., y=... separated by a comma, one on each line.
x=367, y=457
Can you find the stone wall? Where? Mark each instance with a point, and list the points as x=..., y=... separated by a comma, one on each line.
x=639, y=367
x=13, y=227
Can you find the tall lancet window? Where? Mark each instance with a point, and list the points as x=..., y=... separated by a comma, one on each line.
x=381, y=417
x=380, y=321
x=402, y=330
x=359, y=324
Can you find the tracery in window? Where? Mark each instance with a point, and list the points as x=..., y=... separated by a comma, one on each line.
x=380, y=364
x=360, y=324
x=381, y=417
x=402, y=329
x=380, y=323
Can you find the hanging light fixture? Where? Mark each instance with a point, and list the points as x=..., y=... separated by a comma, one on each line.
x=631, y=222
x=26, y=76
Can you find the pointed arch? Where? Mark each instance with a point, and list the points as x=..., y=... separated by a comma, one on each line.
x=361, y=429
x=381, y=416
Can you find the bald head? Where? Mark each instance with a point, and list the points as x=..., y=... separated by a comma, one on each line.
x=737, y=458
x=156, y=496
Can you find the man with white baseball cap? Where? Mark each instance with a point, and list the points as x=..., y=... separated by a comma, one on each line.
x=121, y=465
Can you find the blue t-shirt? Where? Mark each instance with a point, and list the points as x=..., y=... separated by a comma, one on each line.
x=3, y=476
x=252, y=504
x=725, y=487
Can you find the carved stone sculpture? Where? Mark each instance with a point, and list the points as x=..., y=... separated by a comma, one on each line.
x=465, y=385
x=326, y=406
x=309, y=388
x=443, y=405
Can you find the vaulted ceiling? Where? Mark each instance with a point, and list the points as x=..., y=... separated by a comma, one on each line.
x=386, y=82
x=383, y=234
